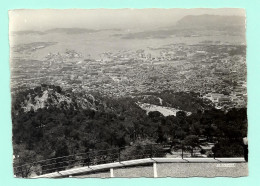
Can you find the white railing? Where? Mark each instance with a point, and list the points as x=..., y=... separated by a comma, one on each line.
x=154, y=161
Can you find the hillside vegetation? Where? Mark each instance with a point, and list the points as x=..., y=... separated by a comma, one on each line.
x=50, y=122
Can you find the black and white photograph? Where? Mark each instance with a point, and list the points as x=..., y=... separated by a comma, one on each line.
x=128, y=93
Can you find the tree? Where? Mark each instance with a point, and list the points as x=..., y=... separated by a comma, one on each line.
x=24, y=161
x=191, y=142
x=142, y=149
x=225, y=148
x=155, y=115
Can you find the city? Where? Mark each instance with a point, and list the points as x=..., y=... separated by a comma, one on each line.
x=217, y=72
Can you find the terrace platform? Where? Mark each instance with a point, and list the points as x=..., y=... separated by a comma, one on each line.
x=160, y=167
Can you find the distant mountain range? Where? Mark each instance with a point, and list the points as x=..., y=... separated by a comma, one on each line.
x=195, y=26
x=61, y=31
x=203, y=22
x=210, y=21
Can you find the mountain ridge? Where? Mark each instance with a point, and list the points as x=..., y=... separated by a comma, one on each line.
x=206, y=20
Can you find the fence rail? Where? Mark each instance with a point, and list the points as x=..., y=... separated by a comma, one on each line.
x=88, y=159
x=97, y=157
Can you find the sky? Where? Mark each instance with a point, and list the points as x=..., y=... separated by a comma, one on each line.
x=44, y=19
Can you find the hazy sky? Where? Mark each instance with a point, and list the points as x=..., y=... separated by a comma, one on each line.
x=44, y=19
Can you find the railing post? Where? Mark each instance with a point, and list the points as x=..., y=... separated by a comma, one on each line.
x=155, y=170
x=111, y=172
x=88, y=160
x=151, y=151
x=119, y=155
x=182, y=152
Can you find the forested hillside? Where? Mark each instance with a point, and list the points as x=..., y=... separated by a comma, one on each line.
x=50, y=122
